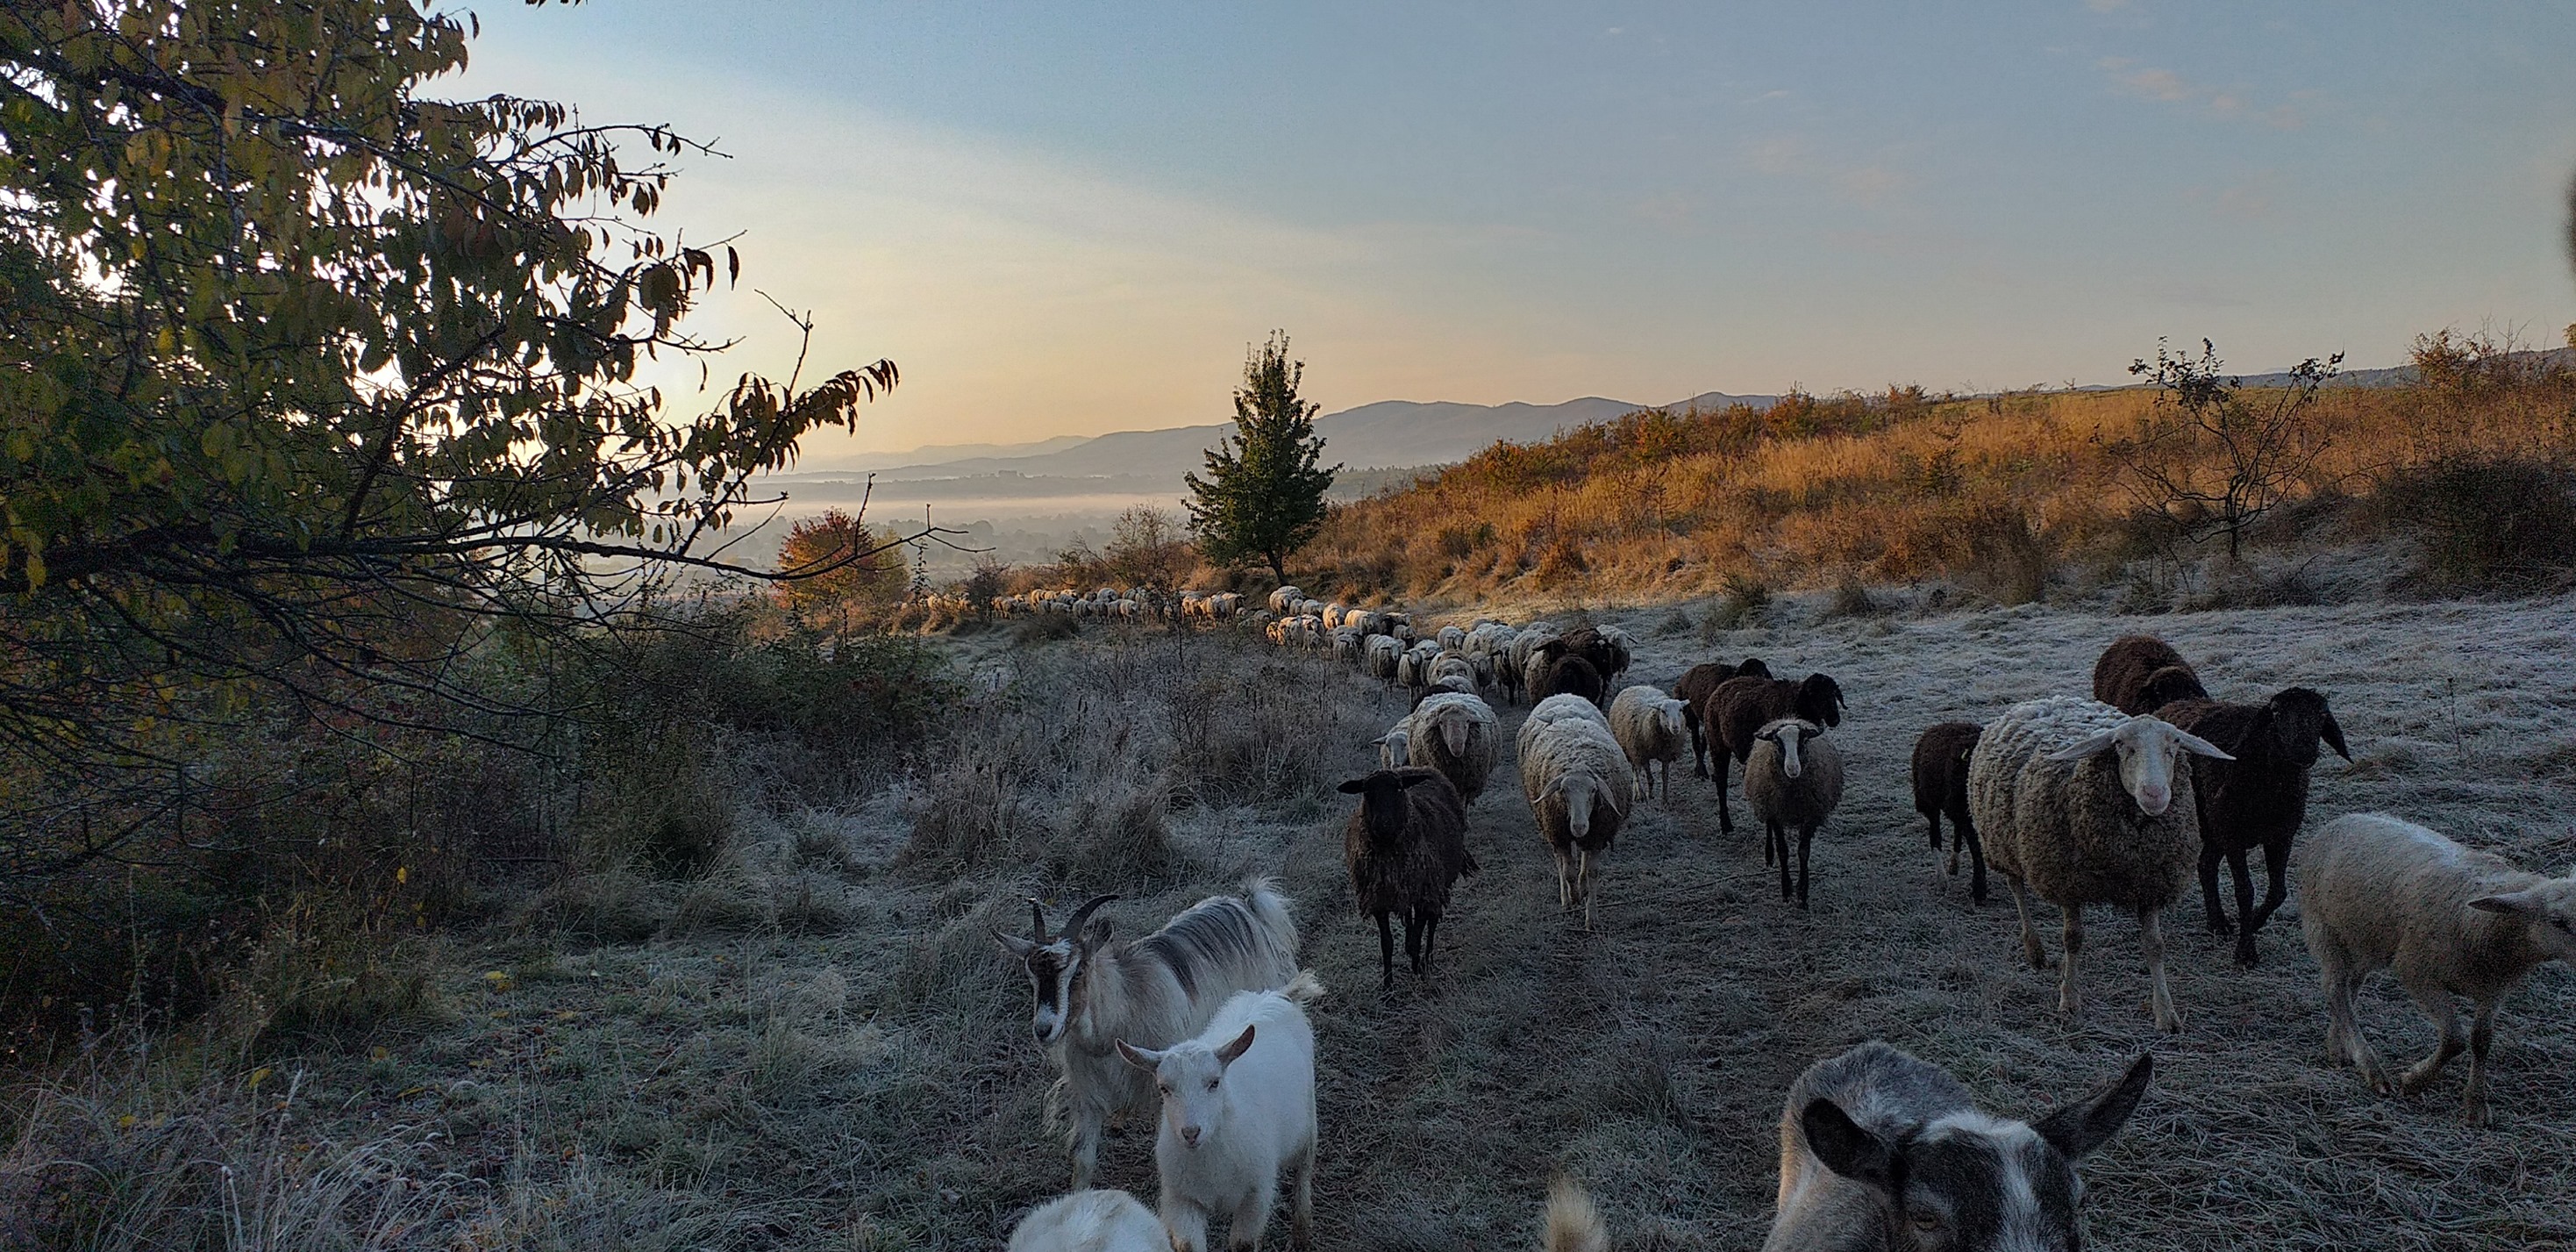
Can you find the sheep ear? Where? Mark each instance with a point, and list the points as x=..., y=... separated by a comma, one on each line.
x=2332, y=733
x=2520, y=903
x=2198, y=746
x=1242, y=1044
x=2081, y=1127
x=1015, y=945
x=1142, y=1058
x=1555, y=787
x=1845, y=1146
x=1354, y=786
x=2097, y=742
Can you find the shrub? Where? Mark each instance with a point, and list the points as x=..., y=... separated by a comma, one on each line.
x=2498, y=523
x=1740, y=602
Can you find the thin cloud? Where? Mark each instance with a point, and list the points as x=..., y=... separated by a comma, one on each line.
x=2164, y=86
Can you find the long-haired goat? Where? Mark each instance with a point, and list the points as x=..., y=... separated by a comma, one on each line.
x=1091, y=1221
x=1741, y=706
x=1150, y=991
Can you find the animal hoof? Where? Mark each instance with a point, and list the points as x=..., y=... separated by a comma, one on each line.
x=2245, y=956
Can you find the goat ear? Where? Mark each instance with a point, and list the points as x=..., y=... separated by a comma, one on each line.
x=1845, y=1146
x=1354, y=786
x=2198, y=746
x=2081, y=1127
x=1242, y=1044
x=1015, y=945
x=2092, y=744
x=2332, y=733
x=2520, y=903
x=1142, y=1058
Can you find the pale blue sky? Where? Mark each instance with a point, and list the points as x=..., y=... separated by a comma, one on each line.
x=1072, y=218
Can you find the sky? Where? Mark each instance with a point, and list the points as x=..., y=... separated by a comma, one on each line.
x=1072, y=219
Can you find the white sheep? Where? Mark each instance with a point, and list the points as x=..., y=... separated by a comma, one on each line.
x=2379, y=893
x=1238, y=1106
x=2089, y=805
x=1649, y=727
x=1793, y=779
x=1579, y=786
x=1452, y=638
x=1381, y=656
x=1284, y=600
x=1395, y=747
x=1457, y=735
x=1091, y=1221
x=1448, y=664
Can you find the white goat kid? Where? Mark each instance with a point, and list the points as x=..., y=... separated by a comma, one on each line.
x=1238, y=1106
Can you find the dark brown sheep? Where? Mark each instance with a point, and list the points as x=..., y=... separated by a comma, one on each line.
x=1693, y=691
x=2141, y=673
x=1607, y=650
x=1941, y=787
x=1406, y=847
x=1740, y=707
x=1566, y=674
x=2256, y=800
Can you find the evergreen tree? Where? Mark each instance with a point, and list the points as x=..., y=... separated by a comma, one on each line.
x=1263, y=496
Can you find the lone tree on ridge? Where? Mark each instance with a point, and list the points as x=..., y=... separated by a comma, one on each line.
x=1263, y=496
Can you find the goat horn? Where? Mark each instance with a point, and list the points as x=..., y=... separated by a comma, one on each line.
x=1073, y=924
x=1037, y=920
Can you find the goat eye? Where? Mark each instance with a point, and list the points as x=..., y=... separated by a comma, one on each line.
x=1212, y=1084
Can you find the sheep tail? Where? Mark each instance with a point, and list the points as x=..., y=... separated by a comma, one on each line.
x=1304, y=989
x=1573, y=1225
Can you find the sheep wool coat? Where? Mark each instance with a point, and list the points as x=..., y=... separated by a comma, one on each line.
x=2068, y=829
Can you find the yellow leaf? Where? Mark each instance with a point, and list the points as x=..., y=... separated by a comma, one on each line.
x=258, y=1076
x=126, y=1122
x=402, y=873
x=379, y=1053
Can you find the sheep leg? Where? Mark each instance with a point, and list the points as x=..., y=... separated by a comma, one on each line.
x=2069, y=1001
x=2218, y=923
x=2276, y=861
x=1976, y=853
x=1385, y=954
x=2481, y=1036
x=2345, y=1044
x=1934, y=820
x=1699, y=744
x=1725, y=812
x=1583, y=886
x=1564, y=879
x=1806, y=839
x=2030, y=949
x=1252, y=1217
x=1775, y=837
x=2151, y=940
x=1184, y=1222
x=1430, y=931
x=2435, y=999
x=1413, y=942
x=2246, y=921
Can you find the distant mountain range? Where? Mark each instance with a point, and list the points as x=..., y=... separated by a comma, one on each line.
x=1385, y=434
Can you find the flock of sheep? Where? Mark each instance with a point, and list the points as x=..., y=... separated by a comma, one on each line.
x=2109, y=800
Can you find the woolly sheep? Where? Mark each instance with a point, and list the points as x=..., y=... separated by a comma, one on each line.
x=2378, y=893
x=1648, y=725
x=1578, y=785
x=1941, y=759
x=2256, y=800
x=1238, y=1107
x=2087, y=805
x=1394, y=748
x=1741, y=706
x=1381, y=656
x=1693, y=691
x=1091, y=1221
x=1608, y=648
x=2141, y=673
x=1457, y=735
x=1162, y=987
x=1881, y=1151
x=1552, y=710
x=1451, y=665
x=1793, y=779
x=1452, y=638
x=1405, y=848
x=1557, y=672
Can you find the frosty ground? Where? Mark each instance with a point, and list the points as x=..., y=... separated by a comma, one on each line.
x=819, y=1045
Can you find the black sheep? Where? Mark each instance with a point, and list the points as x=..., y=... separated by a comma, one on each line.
x=1564, y=673
x=1941, y=787
x=1406, y=846
x=1740, y=707
x=1693, y=691
x=2256, y=800
x=2141, y=673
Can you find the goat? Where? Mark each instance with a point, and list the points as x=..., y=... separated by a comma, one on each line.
x=1153, y=990
x=1238, y=1106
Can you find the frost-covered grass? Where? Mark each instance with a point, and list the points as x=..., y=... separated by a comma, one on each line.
x=817, y=1044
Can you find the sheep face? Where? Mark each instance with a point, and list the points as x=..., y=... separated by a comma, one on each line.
x=1580, y=793
x=1787, y=736
x=1191, y=1078
x=2548, y=911
x=1383, y=810
x=1054, y=963
x=2149, y=750
x=1819, y=700
x=1668, y=717
x=1972, y=1182
x=2301, y=720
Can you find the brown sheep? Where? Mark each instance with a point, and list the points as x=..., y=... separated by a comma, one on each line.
x=2256, y=800
x=1562, y=673
x=1740, y=707
x=1693, y=691
x=1941, y=759
x=2141, y=673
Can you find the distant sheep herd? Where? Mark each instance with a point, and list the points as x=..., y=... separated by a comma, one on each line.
x=2109, y=800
